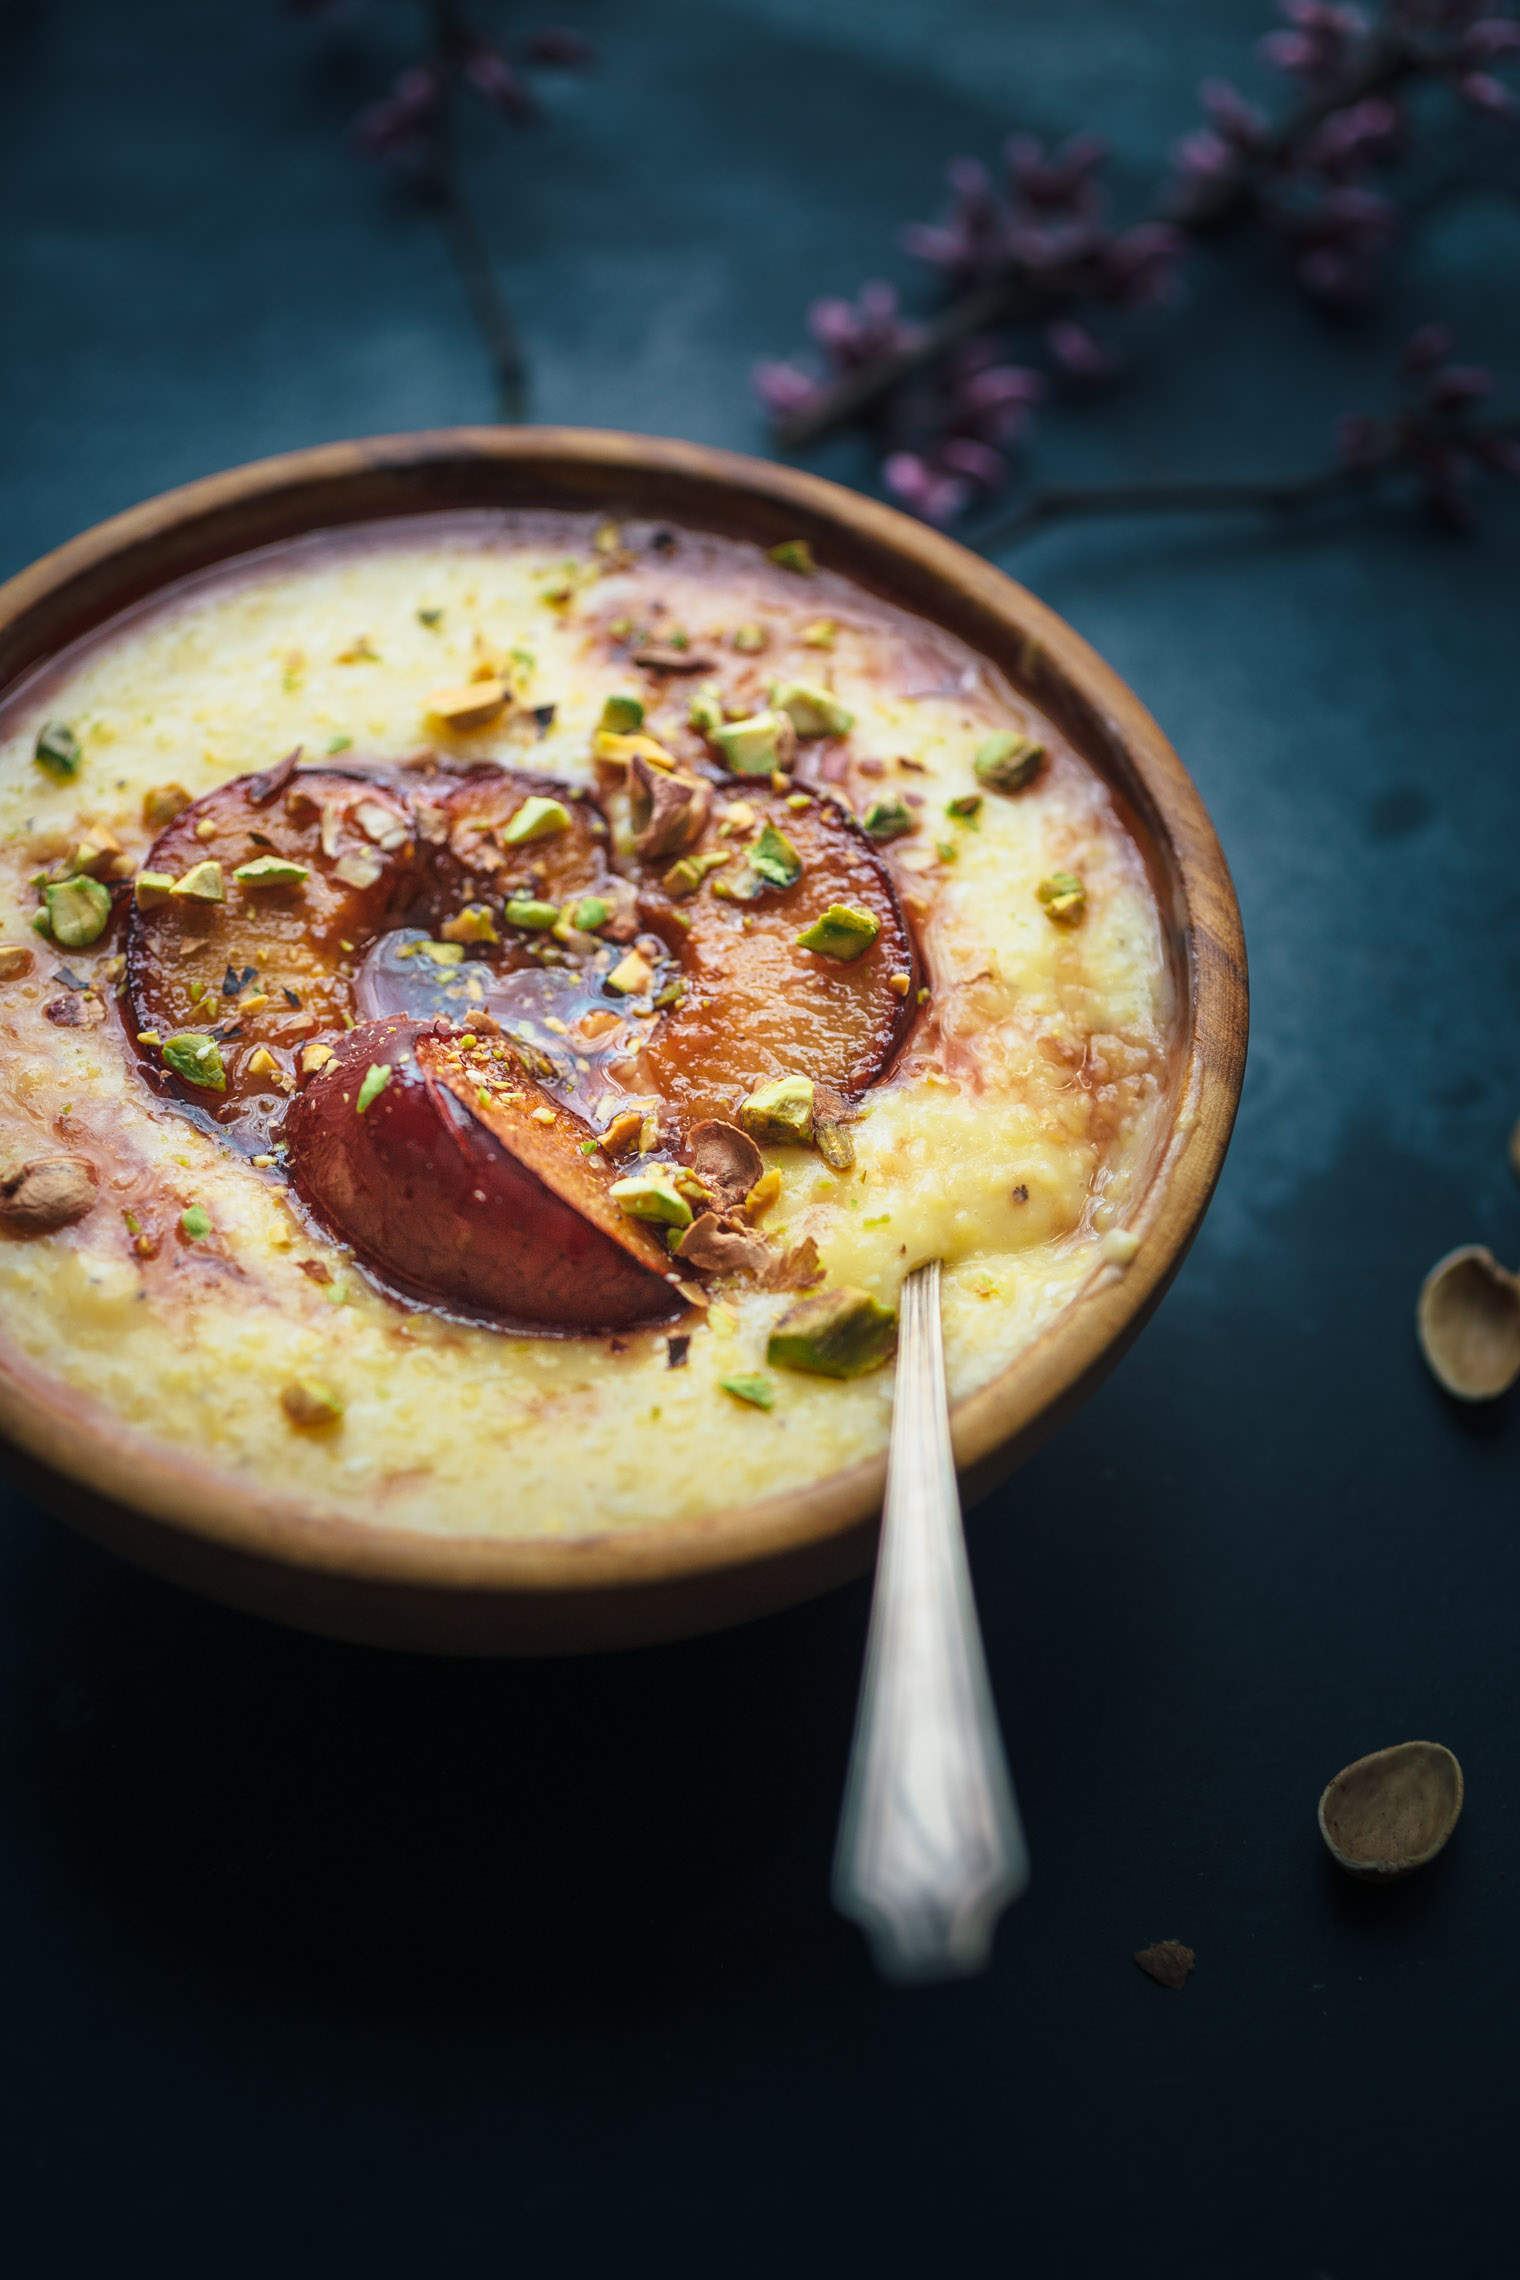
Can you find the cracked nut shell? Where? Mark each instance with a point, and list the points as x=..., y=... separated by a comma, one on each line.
x=1386, y=1815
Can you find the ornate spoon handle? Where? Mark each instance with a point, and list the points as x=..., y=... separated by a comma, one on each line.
x=930, y=1846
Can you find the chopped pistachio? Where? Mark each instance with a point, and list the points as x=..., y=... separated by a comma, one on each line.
x=475, y=705
x=77, y=911
x=736, y=820
x=748, y=1386
x=338, y=744
x=15, y=960
x=763, y=1194
x=537, y=818
x=441, y=953
x=149, y=1037
x=622, y=715
x=900, y=984
x=839, y=1333
x=152, y=888
x=947, y=851
x=821, y=634
x=794, y=554
x=888, y=819
x=535, y=917
x=812, y=711
x=758, y=746
x=315, y=1057
x=841, y=931
x=57, y=751
x=543, y=1115
x=376, y=1077
x=432, y=619
x=201, y=883
x=195, y=1222
x=684, y=877
x=162, y=804
x=775, y=859
x=607, y=746
x=833, y=1143
x=197, y=1058
x=652, y=1195
x=308, y=1402
x=632, y=976
x=705, y=711
x=622, y=1134
x=965, y=807
x=1064, y=897
x=780, y=1112
x=261, y=1062
x=590, y=913
x=472, y=924
x=1007, y=761
x=271, y=871
x=206, y=829
x=749, y=640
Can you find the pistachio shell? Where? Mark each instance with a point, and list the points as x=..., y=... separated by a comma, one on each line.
x=1388, y=1814
x=1468, y=1323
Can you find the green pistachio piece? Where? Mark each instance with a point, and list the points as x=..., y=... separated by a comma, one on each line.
x=794, y=554
x=57, y=750
x=652, y=1195
x=195, y=1222
x=964, y=808
x=705, y=712
x=758, y=746
x=887, y=819
x=774, y=859
x=749, y=640
x=781, y=1112
x=590, y=913
x=748, y=1386
x=841, y=931
x=622, y=715
x=812, y=711
x=537, y=917
x=441, y=953
x=150, y=888
x=201, y=883
x=1007, y=761
x=191, y=1054
x=271, y=871
x=1064, y=897
x=77, y=911
x=432, y=619
x=536, y=819
x=839, y=1334
x=472, y=924
x=376, y=1077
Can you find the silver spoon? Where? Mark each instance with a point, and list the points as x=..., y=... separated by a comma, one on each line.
x=930, y=1847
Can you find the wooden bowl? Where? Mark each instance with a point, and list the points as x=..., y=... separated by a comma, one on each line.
x=468, y=1595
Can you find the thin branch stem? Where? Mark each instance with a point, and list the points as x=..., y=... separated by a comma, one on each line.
x=1388, y=60
x=488, y=304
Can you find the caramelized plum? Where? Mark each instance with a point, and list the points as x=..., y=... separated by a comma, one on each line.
x=460, y=1181
x=757, y=1006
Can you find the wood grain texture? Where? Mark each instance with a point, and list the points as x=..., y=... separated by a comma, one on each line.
x=260, y=1551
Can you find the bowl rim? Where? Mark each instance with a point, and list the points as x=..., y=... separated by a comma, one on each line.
x=78, y=587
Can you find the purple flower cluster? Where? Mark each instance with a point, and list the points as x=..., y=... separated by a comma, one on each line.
x=399, y=127
x=1433, y=433
x=981, y=409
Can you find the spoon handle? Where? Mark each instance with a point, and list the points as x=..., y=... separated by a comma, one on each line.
x=930, y=1846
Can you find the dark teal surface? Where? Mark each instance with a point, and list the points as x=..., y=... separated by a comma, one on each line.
x=316, y=1962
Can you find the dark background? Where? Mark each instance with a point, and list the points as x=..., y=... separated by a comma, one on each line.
x=318, y=1962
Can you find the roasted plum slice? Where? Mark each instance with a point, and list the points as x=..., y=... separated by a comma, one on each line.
x=281, y=881
x=456, y=1179
x=757, y=1006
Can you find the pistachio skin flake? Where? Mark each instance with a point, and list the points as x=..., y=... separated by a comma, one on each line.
x=839, y=1333
x=812, y=711
x=793, y=554
x=834, y=1145
x=1008, y=761
x=842, y=931
x=1064, y=897
x=621, y=716
x=201, y=883
x=195, y=1223
x=887, y=819
x=535, y=917
x=56, y=751
x=780, y=1114
x=537, y=818
x=654, y=1196
x=271, y=871
x=774, y=859
x=376, y=1077
x=307, y=1402
x=761, y=745
x=749, y=1387
x=196, y=1058
x=78, y=911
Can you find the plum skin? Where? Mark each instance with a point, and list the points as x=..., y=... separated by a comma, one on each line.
x=433, y=1204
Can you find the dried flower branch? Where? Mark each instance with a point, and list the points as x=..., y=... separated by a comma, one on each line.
x=1038, y=256
x=414, y=129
